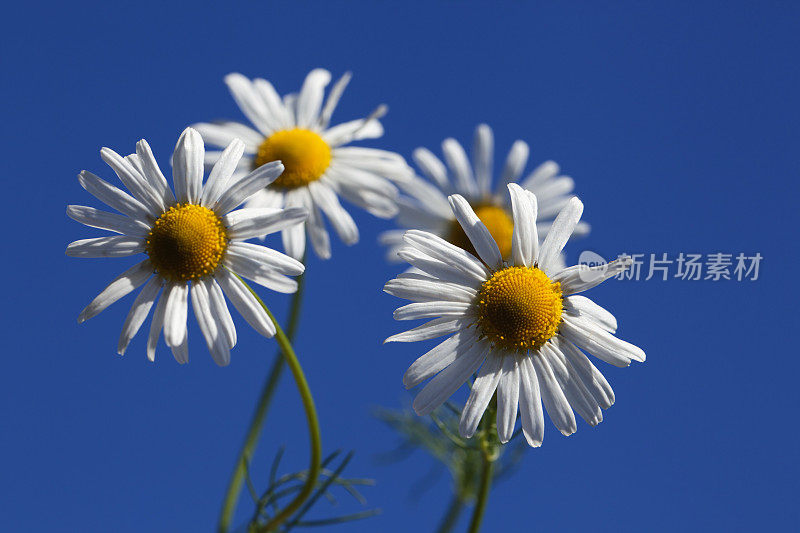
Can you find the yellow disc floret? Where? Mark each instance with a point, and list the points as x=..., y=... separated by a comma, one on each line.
x=497, y=221
x=304, y=154
x=519, y=308
x=186, y=242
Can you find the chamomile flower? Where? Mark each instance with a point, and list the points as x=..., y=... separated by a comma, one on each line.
x=319, y=167
x=194, y=243
x=424, y=204
x=521, y=324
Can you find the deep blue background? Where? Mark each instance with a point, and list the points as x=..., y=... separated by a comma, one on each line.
x=679, y=123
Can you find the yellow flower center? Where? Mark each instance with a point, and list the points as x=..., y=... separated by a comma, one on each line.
x=186, y=242
x=305, y=157
x=497, y=221
x=519, y=308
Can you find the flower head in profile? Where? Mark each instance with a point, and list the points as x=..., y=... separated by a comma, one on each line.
x=520, y=323
x=319, y=167
x=193, y=239
x=425, y=206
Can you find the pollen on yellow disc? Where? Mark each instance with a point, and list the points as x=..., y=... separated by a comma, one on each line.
x=304, y=154
x=519, y=308
x=497, y=221
x=186, y=242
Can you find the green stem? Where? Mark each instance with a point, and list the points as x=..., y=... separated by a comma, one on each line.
x=260, y=414
x=451, y=516
x=311, y=418
x=489, y=457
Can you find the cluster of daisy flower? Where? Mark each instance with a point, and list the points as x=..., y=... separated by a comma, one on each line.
x=485, y=256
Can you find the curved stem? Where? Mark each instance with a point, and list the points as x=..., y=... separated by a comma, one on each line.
x=486, y=478
x=260, y=414
x=451, y=516
x=311, y=418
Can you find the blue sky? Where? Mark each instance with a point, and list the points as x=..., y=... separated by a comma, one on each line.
x=679, y=123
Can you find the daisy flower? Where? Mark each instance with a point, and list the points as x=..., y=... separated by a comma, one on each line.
x=319, y=167
x=520, y=324
x=194, y=242
x=425, y=205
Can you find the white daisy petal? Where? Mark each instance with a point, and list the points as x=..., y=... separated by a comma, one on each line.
x=593, y=380
x=341, y=220
x=138, y=313
x=437, y=268
x=599, y=342
x=136, y=163
x=113, y=197
x=446, y=382
x=450, y=254
x=96, y=218
x=266, y=277
x=358, y=177
x=352, y=131
x=294, y=237
x=278, y=116
x=244, y=302
x=315, y=226
x=483, y=157
x=188, y=165
x=429, y=196
x=289, y=103
x=249, y=101
x=177, y=295
x=215, y=339
x=267, y=257
x=540, y=175
x=309, y=101
x=428, y=291
x=581, y=305
x=266, y=198
x=482, y=391
x=156, y=325
x=553, y=207
x=413, y=214
x=223, y=133
x=459, y=164
x=132, y=180
x=508, y=398
x=555, y=402
x=574, y=391
x=120, y=246
x=248, y=185
x=220, y=311
x=432, y=167
x=555, y=188
x=530, y=403
x=475, y=230
x=515, y=163
x=429, y=330
x=333, y=99
x=415, y=311
x=181, y=351
x=525, y=239
x=579, y=278
x=247, y=223
x=221, y=173
x=152, y=172
x=439, y=357
x=372, y=202
x=377, y=162
x=122, y=285
x=559, y=234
